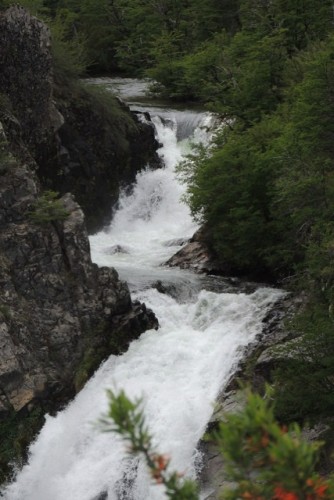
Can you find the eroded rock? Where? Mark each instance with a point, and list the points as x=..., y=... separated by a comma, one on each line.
x=54, y=302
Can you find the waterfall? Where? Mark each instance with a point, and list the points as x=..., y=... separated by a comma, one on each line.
x=178, y=370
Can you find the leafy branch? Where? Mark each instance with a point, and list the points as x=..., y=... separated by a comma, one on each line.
x=126, y=418
x=263, y=459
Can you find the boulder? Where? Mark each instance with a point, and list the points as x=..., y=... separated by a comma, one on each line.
x=192, y=255
x=195, y=255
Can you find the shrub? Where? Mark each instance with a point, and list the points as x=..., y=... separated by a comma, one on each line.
x=304, y=380
x=68, y=47
x=265, y=461
x=48, y=208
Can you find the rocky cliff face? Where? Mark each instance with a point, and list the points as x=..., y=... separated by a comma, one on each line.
x=77, y=141
x=102, y=147
x=60, y=315
x=26, y=81
x=55, y=304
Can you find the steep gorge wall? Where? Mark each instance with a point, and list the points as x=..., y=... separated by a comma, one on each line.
x=78, y=143
x=60, y=315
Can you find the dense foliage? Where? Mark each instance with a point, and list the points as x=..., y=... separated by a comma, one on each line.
x=265, y=190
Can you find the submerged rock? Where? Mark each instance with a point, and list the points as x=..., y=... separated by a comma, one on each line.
x=101, y=496
x=115, y=249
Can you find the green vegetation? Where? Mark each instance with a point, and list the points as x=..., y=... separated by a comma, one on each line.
x=126, y=418
x=48, y=208
x=264, y=460
x=304, y=380
x=5, y=312
x=70, y=58
x=93, y=355
x=16, y=432
x=265, y=189
x=91, y=360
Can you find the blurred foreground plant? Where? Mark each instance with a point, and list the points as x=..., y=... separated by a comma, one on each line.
x=126, y=418
x=264, y=460
x=268, y=461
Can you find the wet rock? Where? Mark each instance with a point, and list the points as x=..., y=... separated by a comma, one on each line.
x=181, y=291
x=165, y=288
x=212, y=477
x=178, y=242
x=254, y=370
x=130, y=325
x=193, y=255
x=115, y=249
x=101, y=496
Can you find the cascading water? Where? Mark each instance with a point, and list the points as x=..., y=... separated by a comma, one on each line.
x=178, y=370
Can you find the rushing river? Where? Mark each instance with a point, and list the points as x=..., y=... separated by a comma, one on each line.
x=179, y=369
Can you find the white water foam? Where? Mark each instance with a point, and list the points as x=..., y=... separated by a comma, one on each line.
x=178, y=370
x=154, y=215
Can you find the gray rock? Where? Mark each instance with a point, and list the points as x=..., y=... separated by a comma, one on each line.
x=194, y=255
x=54, y=302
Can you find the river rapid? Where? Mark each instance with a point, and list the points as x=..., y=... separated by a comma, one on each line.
x=179, y=370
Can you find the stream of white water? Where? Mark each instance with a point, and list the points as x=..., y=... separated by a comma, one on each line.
x=177, y=370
